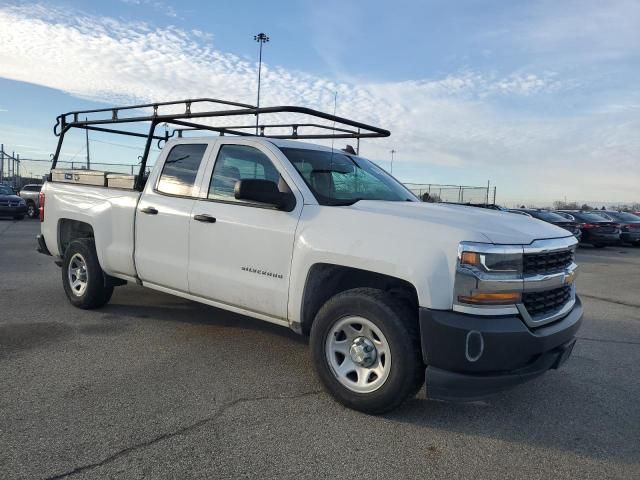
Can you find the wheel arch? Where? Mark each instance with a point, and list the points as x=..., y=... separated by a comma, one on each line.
x=325, y=280
x=70, y=230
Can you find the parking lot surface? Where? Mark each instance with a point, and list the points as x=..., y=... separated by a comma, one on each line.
x=155, y=386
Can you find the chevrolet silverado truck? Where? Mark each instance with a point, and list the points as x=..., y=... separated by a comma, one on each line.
x=392, y=291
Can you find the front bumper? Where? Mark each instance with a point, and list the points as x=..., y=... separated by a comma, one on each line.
x=13, y=211
x=469, y=356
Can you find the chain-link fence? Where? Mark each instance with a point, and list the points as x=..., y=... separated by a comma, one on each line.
x=17, y=172
x=433, y=192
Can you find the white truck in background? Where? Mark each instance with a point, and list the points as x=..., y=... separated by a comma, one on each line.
x=391, y=290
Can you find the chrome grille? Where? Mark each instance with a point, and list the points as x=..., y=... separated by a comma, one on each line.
x=540, y=304
x=548, y=262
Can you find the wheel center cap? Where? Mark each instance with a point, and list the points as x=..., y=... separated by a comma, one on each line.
x=363, y=352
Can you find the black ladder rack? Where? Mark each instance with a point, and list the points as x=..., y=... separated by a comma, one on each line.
x=187, y=119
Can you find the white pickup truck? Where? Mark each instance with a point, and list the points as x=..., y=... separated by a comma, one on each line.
x=391, y=290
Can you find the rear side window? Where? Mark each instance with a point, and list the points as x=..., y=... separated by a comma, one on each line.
x=180, y=169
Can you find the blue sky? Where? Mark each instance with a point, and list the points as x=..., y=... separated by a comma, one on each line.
x=540, y=97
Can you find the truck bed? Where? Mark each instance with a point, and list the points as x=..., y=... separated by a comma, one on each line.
x=110, y=212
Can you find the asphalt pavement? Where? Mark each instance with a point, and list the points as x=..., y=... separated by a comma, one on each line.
x=153, y=386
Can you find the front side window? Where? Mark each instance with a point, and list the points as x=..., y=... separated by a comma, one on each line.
x=339, y=179
x=240, y=162
x=180, y=169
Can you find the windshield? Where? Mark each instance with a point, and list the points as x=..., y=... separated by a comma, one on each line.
x=624, y=216
x=548, y=216
x=5, y=190
x=339, y=179
x=591, y=217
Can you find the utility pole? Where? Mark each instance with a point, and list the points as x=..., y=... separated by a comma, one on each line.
x=86, y=131
x=393, y=152
x=1, y=162
x=261, y=38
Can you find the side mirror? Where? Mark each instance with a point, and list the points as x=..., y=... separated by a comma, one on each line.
x=264, y=191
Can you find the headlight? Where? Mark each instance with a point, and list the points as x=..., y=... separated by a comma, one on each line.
x=488, y=275
x=492, y=262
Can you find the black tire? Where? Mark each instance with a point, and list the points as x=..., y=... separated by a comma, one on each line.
x=32, y=211
x=97, y=291
x=19, y=217
x=398, y=324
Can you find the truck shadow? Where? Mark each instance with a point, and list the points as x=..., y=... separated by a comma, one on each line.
x=570, y=410
x=558, y=411
x=160, y=306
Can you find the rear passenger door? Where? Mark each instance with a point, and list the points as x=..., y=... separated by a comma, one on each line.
x=242, y=259
x=163, y=217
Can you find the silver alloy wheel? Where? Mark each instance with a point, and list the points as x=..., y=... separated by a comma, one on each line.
x=77, y=273
x=31, y=210
x=358, y=354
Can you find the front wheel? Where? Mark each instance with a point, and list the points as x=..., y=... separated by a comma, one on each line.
x=366, y=350
x=82, y=277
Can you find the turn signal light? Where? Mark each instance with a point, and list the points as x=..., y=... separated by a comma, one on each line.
x=501, y=298
x=470, y=258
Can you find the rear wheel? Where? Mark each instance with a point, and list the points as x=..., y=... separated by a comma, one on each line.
x=82, y=277
x=366, y=350
x=32, y=211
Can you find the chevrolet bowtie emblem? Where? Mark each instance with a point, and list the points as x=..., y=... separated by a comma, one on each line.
x=569, y=278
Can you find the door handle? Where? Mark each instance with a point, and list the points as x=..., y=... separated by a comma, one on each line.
x=204, y=218
x=149, y=211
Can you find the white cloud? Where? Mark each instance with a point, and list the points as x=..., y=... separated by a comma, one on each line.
x=453, y=121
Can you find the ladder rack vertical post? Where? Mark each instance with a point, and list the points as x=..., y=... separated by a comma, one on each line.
x=143, y=162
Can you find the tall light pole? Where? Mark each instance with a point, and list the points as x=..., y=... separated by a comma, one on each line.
x=392, y=154
x=261, y=38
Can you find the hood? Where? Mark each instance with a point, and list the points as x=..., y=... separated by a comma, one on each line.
x=497, y=226
x=10, y=197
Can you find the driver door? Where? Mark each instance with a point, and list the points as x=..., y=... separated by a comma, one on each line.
x=240, y=251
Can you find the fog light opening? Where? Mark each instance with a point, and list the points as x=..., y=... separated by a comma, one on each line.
x=474, y=346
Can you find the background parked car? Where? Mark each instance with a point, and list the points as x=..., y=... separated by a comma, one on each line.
x=11, y=205
x=596, y=230
x=551, y=217
x=629, y=225
x=31, y=195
